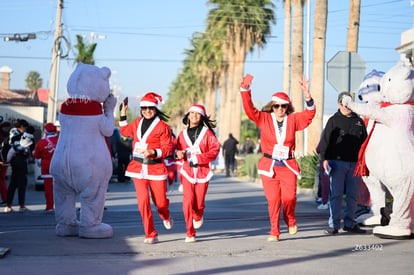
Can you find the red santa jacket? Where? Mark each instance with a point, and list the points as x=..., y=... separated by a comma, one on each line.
x=157, y=137
x=270, y=135
x=44, y=150
x=204, y=150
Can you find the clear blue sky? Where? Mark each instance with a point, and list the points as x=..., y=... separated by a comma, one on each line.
x=145, y=40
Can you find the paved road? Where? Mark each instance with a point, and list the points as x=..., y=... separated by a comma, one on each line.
x=231, y=241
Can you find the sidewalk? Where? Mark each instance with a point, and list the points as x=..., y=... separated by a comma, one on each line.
x=231, y=241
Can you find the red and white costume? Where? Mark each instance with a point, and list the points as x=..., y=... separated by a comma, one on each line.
x=44, y=150
x=149, y=172
x=157, y=137
x=195, y=178
x=278, y=177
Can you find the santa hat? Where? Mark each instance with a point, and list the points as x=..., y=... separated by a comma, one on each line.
x=50, y=128
x=199, y=109
x=281, y=98
x=150, y=100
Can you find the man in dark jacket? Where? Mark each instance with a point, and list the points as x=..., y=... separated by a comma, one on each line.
x=341, y=140
x=229, y=153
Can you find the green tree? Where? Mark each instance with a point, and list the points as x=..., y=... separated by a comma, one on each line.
x=243, y=25
x=85, y=52
x=33, y=82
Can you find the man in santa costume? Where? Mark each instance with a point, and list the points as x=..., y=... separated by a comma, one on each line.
x=44, y=151
x=278, y=167
x=151, y=145
x=197, y=146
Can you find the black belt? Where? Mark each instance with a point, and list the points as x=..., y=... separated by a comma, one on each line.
x=270, y=156
x=169, y=158
x=148, y=161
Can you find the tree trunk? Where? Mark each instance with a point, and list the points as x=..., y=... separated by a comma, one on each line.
x=297, y=67
x=223, y=123
x=287, y=47
x=318, y=72
x=353, y=28
x=239, y=58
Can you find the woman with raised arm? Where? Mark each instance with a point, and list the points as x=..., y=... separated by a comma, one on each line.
x=278, y=168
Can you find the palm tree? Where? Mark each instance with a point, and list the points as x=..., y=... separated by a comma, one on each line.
x=318, y=72
x=287, y=47
x=246, y=23
x=353, y=28
x=297, y=65
x=85, y=52
x=33, y=82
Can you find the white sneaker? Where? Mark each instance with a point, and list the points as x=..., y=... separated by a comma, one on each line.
x=151, y=240
x=323, y=206
x=8, y=209
x=168, y=224
x=190, y=239
x=198, y=224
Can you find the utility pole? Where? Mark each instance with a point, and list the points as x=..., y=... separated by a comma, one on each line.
x=54, y=74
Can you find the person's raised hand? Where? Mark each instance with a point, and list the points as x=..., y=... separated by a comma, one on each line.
x=304, y=85
x=246, y=82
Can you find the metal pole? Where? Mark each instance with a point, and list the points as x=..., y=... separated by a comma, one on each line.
x=349, y=71
x=54, y=73
x=308, y=40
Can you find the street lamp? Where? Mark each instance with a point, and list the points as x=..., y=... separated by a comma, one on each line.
x=18, y=37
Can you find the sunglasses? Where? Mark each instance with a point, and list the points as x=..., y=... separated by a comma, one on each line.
x=147, y=108
x=277, y=106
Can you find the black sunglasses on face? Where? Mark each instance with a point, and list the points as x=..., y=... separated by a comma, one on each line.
x=147, y=108
x=283, y=106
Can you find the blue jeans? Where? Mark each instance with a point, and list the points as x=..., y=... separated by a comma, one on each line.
x=342, y=180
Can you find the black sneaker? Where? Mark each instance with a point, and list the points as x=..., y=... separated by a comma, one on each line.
x=355, y=229
x=330, y=231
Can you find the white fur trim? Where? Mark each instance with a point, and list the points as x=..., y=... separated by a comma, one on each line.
x=148, y=177
x=279, y=100
x=123, y=123
x=198, y=180
x=310, y=107
x=266, y=173
x=147, y=104
x=196, y=109
x=158, y=153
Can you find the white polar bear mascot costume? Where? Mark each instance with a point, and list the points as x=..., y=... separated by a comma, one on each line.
x=389, y=152
x=82, y=164
x=368, y=92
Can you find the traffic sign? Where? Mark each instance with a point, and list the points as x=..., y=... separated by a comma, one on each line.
x=346, y=70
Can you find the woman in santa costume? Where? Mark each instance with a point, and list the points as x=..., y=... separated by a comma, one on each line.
x=278, y=167
x=152, y=143
x=44, y=151
x=197, y=146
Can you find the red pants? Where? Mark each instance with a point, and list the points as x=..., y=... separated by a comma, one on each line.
x=280, y=189
x=193, y=203
x=48, y=184
x=3, y=185
x=158, y=189
x=172, y=174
